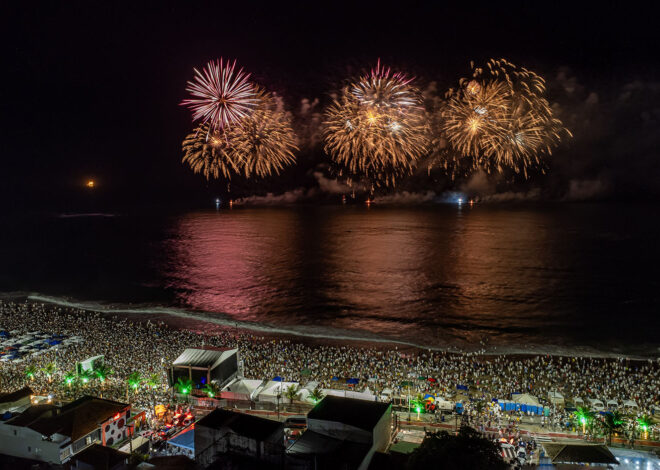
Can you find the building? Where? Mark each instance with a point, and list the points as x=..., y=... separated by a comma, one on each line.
x=578, y=454
x=17, y=401
x=347, y=430
x=54, y=434
x=204, y=365
x=98, y=457
x=225, y=432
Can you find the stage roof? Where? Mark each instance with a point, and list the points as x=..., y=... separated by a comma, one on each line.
x=203, y=357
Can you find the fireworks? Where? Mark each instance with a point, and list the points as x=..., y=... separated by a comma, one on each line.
x=382, y=88
x=221, y=95
x=262, y=145
x=208, y=153
x=501, y=120
x=377, y=128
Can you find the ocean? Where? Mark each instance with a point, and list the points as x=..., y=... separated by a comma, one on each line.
x=507, y=278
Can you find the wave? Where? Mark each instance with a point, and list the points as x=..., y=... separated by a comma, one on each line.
x=162, y=313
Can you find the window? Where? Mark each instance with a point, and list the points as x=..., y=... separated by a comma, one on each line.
x=15, y=433
x=29, y=449
x=88, y=440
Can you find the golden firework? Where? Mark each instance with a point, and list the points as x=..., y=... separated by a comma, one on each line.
x=377, y=129
x=261, y=145
x=500, y=119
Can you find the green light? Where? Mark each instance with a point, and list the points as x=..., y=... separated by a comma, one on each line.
x=211, y=394
x=583, y=420
x=85, y=380
x=644, y=428
x=418, y=409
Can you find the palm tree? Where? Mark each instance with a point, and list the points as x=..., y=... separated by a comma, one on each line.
x=584, y=416
x=644, y=422
x=153, y=381
x=611, y=423
x=49, y=370
x=292, y=392
x=30, y=371
x=211, y=389
x=133, y=381
x=316, y=395
x=184, y=385
x=85, y=376
x=102, y=372
x=69, y=378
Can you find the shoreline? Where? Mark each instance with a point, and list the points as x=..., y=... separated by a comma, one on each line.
x=209, y=327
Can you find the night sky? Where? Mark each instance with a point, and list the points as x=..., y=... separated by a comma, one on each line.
x=91, y=89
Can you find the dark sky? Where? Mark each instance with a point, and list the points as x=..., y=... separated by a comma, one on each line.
x=92, y=88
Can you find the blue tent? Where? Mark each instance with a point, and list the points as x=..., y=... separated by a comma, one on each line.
x=459, y=408
x=461, y=387
x=185, y=440
x=277, y=379
x=4, y=334
x=352, y=381
x=334, y=379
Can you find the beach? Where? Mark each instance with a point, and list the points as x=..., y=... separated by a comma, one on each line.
x=147, y=347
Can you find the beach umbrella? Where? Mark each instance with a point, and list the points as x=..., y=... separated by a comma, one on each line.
x=305, y=372
x=277, y=379
x=431, y=379
x=429, y=397
x=421, y=378
x=352, y=381
x=406, y=383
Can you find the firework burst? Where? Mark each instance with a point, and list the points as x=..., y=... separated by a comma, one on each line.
x=500, y=119
x=262, y=145
x=377, y=128
x=221, y=96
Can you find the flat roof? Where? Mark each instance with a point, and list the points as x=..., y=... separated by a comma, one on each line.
x=9, y=397
x=579, y=453
x=243, y=424
x=361, y=414
x=101, y=457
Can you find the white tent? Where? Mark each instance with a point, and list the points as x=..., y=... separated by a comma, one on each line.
x=243, y=387
x=578, y=401
x=630, y=404
x=274, y=388
x=612, y=404
x=307, y=390
x=525, y=399
x=556, y=398
x=596, y=404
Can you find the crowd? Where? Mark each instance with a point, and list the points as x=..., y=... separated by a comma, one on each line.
x=148, y=347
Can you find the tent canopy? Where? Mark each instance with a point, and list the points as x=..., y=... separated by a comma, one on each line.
x=185, y=440
x=525, y=399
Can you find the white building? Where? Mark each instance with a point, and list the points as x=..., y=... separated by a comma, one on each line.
x=345, y=425
x=54, y=434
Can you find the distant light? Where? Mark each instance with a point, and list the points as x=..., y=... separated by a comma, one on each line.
x=460, y=200
x=90, y=184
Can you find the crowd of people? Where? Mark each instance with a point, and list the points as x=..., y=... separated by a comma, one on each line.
x=147, y=347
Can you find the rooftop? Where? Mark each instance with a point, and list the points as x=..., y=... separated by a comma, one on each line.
x=242, y=424
x=361, y=414
x=579, y=453
x=75, y=420
x=333, y=450
x=101, y=457
x=9, y=397
x=203, y=357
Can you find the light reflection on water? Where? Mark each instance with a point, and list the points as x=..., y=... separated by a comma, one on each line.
x=435, y=276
